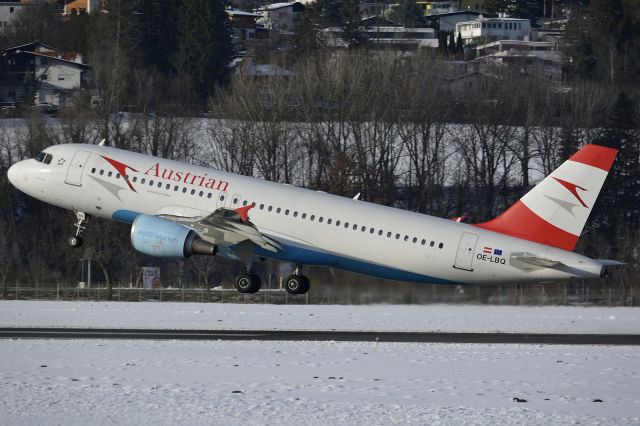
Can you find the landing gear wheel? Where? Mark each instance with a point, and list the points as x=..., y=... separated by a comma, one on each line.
x=248, y=283
x=75, y=242
x=297, y=284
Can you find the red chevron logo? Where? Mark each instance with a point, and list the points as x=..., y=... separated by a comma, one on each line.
x=122, y=169
x=573, y=188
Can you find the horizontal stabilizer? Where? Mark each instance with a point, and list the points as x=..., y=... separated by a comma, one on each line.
x=607, y=262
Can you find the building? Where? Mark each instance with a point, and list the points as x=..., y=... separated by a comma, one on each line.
x=437, y=7
x=501, y=28
x=536, y=59
x=10, y=9
x=76, y=7
x=45, y=73
x=243, y=24
x=448, y=21
x=280, y=17
x=386, y=36
x=473, y=5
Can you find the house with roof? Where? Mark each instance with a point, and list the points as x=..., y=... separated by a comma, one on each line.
x=447, y=21
x=77, y=7
x=38, y=74
x=281, y=17
x=243, y=24
x=500, y=28
x=10, y=9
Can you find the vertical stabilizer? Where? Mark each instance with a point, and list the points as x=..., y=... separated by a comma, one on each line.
x=555, y=211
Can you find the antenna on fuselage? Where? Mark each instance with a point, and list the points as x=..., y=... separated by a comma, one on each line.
x=102, y=142
x=357, y=196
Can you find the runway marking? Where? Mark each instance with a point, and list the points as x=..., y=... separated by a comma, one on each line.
x=322, y=336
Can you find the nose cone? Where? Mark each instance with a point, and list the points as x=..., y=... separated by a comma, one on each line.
x=12, y=174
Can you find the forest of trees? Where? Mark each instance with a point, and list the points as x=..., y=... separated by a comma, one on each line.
x=393, y=127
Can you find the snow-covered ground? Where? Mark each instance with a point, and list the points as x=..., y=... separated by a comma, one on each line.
x=75, y=382
x=214, y=316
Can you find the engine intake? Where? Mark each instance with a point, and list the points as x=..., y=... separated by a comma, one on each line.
x=160, y=237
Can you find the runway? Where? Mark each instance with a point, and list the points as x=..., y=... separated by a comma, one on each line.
x=322, y=336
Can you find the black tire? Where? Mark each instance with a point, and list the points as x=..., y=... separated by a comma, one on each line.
x=75, y=242
x=296, y=284
x=248, y=283
x=306, y=284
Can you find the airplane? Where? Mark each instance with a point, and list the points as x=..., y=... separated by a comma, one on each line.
x=177, y=210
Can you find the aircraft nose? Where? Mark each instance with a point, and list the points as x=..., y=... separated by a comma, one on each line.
x=12, y=174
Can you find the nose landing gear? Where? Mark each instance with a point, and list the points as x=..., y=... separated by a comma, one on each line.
x=81, y=224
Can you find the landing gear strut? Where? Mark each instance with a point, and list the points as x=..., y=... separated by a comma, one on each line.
x=297, y=283
x=81, y=223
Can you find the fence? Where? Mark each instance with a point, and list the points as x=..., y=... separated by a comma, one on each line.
x=573, y=293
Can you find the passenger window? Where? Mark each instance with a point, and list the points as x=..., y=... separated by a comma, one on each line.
x=201, y=193
x=380, y=232
x=440, y=245
x=278, y=210
x=432, y=244
x=184, y=189
x=286, y=212
x=312, y=217
x=93, y=170
x=337, y=223
x=150, y=182
x=320, y=219
x=102, y=172
x=346, y=225
x=222, y=198
x=295, y=214
x=328, y=221
x=168, y=187
x=193, y=191
x=244, y=203
x=424, y=242
x=355, y=227
x=388, y=234
x=397, y=236
x=415, y=240
x=364, y=228
x=117, y=175
x=406, y=238
x=304, y=215
x=209, y=195
x=270, y=208
x=160, y=185
x=261, y=206
x=110, y=174
x=142, y=181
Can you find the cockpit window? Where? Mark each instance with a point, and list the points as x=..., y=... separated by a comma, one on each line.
x=43, y=157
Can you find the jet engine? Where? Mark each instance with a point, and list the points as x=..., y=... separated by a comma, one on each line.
x=160, y=237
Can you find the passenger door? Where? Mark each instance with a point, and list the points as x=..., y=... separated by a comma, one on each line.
x=76, y=168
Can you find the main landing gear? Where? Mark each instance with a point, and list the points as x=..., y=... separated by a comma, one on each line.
x=249, y=283
x=297, y=283
x=81, y=223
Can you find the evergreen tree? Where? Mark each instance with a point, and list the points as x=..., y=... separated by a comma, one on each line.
x=159, y=35
x=205, y=47
x=618, y=207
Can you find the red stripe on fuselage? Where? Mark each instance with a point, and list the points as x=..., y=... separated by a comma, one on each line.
x=521, y=222
x=122, y=169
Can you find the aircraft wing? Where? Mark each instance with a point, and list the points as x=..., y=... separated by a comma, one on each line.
x=227, y=227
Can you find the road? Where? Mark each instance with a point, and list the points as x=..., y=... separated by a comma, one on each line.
x=319, y=336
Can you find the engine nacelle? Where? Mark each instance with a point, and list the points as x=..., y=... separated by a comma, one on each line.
x=160, y=237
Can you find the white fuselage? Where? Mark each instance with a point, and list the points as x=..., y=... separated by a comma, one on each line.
x=313, y=227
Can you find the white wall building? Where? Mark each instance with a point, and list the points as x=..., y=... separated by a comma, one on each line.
x=381, y=35
x=57, y=73
x=494, y=28
x=280, y=17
